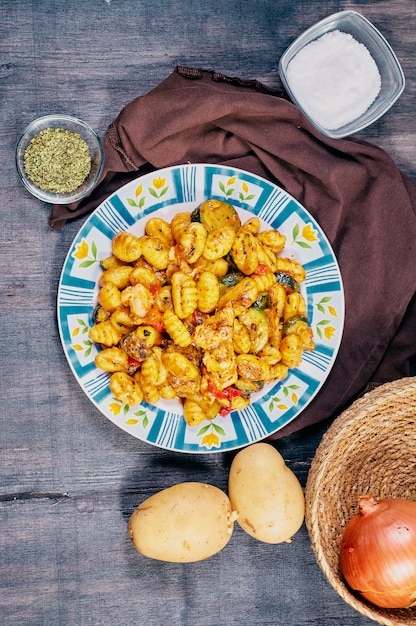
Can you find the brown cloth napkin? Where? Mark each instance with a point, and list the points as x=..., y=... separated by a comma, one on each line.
x=365, y=205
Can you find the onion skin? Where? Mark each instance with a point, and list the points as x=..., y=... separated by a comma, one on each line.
x=378, y=552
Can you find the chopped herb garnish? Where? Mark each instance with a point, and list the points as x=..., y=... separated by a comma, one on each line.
x=57, y=160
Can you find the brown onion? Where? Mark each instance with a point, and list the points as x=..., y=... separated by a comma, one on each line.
x=378, y=552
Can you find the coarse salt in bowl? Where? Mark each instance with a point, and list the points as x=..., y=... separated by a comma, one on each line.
x=74, y=129
x=342, y=74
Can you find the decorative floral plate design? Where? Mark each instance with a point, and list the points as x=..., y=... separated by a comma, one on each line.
x=162, y=194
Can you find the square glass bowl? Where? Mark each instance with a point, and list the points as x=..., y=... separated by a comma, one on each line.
x=391, y=73
x=74, y=125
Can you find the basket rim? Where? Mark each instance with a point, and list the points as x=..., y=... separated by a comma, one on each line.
x=355, y=419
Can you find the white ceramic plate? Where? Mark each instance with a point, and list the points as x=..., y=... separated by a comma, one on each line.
x=183, y=188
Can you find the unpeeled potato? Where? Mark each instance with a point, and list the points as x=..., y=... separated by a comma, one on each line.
x=184, y=523
x=265, y=494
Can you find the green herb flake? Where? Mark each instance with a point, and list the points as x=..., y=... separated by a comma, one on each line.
x=57, y=160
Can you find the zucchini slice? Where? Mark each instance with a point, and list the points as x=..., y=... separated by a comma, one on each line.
x=262, y=302
x=196, y=215
x=287, y=280
x=231, y=279
x=249, y=386
x=293, y=323
x=217, y=213
x=255, y=320
x=100, y=314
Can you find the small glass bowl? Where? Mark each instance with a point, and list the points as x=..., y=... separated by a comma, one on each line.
x=391, y=73
x=76, y=126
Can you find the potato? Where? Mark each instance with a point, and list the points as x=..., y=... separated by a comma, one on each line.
x=265, y=494
x=187, y=522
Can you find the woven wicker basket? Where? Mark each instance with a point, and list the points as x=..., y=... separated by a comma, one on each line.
x=369, y=448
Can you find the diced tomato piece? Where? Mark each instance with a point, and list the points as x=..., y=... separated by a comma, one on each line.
x=225, y=394
x=154, y=289
x=212, y=389
x=154, y=318
x=262, y=269
x=232, y=392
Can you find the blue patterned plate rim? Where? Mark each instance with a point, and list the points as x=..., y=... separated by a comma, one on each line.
x=163, y=193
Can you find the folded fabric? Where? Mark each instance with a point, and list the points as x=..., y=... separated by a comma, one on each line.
x=363, y=202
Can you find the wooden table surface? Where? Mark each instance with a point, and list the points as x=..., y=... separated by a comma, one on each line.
x=69, y=478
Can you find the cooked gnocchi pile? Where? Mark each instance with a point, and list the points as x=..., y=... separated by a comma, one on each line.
x=204, y=308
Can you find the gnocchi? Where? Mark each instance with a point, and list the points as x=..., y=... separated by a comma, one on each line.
x=204, y=309
x=208, y=291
